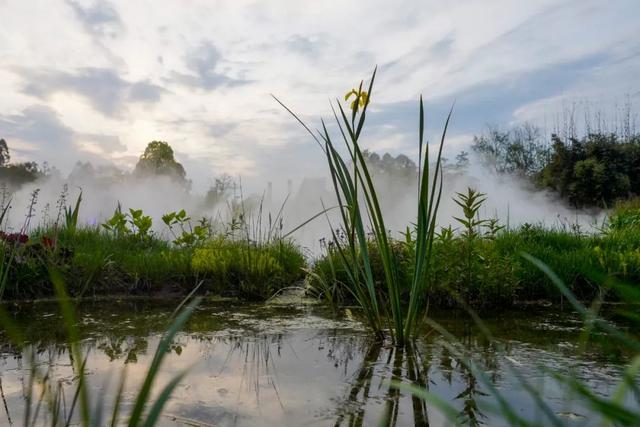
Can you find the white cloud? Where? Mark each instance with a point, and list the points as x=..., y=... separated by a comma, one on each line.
x=207, y=68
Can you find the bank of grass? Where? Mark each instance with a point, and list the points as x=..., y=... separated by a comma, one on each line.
x=94, y=262
x=489, y=270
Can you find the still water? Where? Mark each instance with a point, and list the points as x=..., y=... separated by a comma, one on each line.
x=290, y=362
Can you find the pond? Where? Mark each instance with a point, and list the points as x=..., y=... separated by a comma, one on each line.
x=290, y=362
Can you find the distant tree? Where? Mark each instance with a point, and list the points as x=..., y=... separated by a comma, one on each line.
x=595, y=170
x=4, y=153
x=400, y=168
x=519, y=150
x=158, y=160
x=16, y=174
x=219, y=191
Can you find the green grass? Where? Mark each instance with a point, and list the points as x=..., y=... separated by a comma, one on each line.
x=499, y=276
x=94, y=262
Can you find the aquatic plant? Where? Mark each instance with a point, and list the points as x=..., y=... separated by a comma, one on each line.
x=355, y=191
x=45, y=401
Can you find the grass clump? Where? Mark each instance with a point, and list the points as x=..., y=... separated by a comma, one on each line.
x=386, y=309
x=252, y=270
x=124, y=256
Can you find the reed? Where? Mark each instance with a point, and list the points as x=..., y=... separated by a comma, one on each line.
x=360, y=214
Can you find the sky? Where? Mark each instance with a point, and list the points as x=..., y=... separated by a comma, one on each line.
x=96, y=81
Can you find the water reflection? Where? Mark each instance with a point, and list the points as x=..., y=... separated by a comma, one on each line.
x=294, y=365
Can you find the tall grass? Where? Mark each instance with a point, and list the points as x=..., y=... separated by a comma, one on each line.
x=361, y=214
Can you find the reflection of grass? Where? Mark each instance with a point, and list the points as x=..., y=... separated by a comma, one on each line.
x=45, y=399
x=612, y=410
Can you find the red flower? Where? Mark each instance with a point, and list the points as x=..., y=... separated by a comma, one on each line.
x=48, y=243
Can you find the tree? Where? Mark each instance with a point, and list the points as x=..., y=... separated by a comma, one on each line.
x=158, y=160
x=519, y=150
x=4, y=153
x=16, y=174
x=219, y=190
x=400, y=168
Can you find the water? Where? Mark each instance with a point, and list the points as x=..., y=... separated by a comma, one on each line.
x=294, y=363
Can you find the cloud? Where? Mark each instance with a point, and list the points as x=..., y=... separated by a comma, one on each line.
x=105, y=90
x=38, y=133
x=100, y=18
x=105, y=143
x=204, y=67
x=306, y=45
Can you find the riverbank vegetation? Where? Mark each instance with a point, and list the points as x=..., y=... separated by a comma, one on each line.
x=482, y=266
x=123, y=256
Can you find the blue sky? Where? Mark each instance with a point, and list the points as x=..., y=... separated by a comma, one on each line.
x=86, y=80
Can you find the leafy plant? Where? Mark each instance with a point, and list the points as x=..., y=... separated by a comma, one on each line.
x=188, y=235
x=117, y=224
x=71, y=216
x=470, y=204
x=134, y=223
x=140, y=223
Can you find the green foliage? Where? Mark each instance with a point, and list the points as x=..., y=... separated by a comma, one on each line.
x=625, y=214
x=519, y=150
x=140, y=223
x=470, y=204
x=596, y=170
x=134, y=224
x=493, y=274
x=252, y=271
x=187, y=235
x=71, y=216
x=5, y=157
x=158, y=160
x=117, y=224
x=16, y=174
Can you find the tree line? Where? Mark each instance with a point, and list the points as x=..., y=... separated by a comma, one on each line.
x=593, y=170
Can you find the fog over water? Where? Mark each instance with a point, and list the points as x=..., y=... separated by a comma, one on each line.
x=511, y=199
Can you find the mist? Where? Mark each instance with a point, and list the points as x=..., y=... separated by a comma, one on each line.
x=284, y=203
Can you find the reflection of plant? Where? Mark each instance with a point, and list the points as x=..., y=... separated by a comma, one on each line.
x=610, y=410
x=45, y=400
